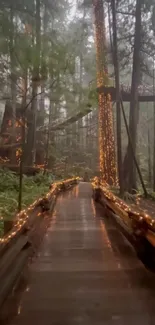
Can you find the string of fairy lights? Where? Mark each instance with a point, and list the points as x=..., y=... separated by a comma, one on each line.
x=23, y=216
x=132, y=212
x=106, y=133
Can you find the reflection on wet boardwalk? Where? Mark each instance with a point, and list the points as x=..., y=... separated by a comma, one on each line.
x=86, y=272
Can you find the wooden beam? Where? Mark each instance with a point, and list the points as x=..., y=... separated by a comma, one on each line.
x=126, y=97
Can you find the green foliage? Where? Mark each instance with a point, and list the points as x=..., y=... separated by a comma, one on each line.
x=33, y=188
x=67, y=57
x=93, y=96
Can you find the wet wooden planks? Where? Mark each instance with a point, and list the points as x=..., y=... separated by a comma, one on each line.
x=85, y=272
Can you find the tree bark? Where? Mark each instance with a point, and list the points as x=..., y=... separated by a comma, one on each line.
x=23, y=138
x=134, y=110
x=154, y=127
x=48, y=138
x=149, y=157
x=13, y=82
x=80, y=98
x=106, y=134
x=132, y=152
x=31, y=139
x=80, y=122
x=118, y=106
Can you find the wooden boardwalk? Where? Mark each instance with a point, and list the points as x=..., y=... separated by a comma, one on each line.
x=86, y=273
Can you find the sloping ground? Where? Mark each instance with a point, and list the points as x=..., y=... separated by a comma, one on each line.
x=148, y=206
x=85, y=272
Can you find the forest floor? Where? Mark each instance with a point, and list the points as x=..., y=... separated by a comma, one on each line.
x=142, y=204
x=147, y=205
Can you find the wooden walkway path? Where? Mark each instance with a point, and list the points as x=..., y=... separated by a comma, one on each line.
x=86, y=273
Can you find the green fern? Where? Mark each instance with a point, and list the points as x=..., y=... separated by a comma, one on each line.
x=33, y=188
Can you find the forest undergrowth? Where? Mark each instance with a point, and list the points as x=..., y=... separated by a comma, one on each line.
x=33, y=188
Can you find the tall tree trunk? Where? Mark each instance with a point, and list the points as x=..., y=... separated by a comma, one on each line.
x=80, y=138
x=23, y=138
x=118, y=106
x=132, y=150
x=134, y=109
x=48, y=138
x=31, y=139
x=106, y=134
x=149, y=155
x=80, y=97
x=43, y=65
x=13, y=82
x=154, y=127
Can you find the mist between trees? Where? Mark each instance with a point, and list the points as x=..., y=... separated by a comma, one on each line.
x=48, y=80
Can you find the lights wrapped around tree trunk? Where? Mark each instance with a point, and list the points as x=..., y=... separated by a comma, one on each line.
x=106, y=133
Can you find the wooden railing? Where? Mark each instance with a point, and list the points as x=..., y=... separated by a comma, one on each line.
x=134, y=221
x=19, y=244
